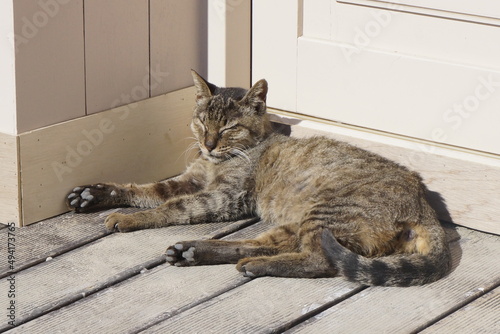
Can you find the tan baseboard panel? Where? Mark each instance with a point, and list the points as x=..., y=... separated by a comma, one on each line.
x=467, y=181
x=140, y=142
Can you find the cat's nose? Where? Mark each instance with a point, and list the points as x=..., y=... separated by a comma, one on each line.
x=210, y=144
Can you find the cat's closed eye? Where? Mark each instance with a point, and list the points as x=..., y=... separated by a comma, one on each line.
x=229, y=128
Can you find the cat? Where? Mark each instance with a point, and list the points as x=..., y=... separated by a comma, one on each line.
x=338, y=210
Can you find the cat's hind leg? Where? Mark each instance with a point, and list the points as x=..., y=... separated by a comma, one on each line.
x=308, y=262
x=206, y=252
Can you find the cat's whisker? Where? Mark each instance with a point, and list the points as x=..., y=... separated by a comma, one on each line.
x=240, y=153
x=188, y=151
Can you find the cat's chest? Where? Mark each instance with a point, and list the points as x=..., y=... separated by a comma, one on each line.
x=234, y=173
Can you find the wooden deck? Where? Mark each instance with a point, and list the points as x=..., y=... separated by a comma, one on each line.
x=71, y=276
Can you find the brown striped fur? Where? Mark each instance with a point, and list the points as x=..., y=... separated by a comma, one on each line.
x=338, y=209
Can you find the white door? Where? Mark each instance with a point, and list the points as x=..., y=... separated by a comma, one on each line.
x=423, y=69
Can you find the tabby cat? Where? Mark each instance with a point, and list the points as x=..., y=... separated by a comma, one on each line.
x=338, y=210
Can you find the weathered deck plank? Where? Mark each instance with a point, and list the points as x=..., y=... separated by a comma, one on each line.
x=139, y=302
x=49, y=238
x=58, y=235
x=218, y=298
x=152, y=296
x=88, y=269
x=264, y=305
x=55, y=236
x=404, y=310
x=480, y=316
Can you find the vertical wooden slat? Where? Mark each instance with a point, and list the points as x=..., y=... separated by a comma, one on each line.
x=49, y=62
x=116, y=53
x=178, y=37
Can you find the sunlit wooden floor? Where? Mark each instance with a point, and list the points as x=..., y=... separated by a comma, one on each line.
x=71, y=276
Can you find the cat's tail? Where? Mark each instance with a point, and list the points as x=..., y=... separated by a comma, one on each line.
x=392, y=270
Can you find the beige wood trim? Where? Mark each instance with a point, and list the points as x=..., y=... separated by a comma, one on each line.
x=9, y=187
x=467, y=180
x=140, y=142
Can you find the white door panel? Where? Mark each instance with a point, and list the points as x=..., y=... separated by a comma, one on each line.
x=412, y=96
x=417, y=75
x=483, y=11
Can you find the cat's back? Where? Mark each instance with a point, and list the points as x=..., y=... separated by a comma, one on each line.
x=295, y=156
x=294, y=173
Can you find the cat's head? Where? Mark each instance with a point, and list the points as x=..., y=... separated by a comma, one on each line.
x=228, y=121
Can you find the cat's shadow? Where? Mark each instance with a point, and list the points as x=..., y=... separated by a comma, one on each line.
x=281, y=128
x=439, y=205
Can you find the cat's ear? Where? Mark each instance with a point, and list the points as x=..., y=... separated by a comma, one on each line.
x=256, y=96
x=204, y=89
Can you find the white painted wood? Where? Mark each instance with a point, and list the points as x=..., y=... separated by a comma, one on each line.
x=178, y=43
x=7, y=68
x=229, y=31
x=9, y=186
x=416, y=97
x=116, y=53
x=373, y=68
x=455, y=41
x=50, y=82
x=467, y=181
x=140, y=142
x=482, y=11
x=275, y=28
x=320, y=26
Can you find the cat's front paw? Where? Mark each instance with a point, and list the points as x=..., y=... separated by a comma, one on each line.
x=181, y=254
x=94, y=197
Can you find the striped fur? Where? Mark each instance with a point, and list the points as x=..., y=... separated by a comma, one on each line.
x=338, y=209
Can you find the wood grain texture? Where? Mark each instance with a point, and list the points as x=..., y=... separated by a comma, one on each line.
x=395, y=310
x=55, y=236
x=166, y=299
x=147, y=298
x=468, y=181
x=141, y=142
x=105, y=262
x=265, y=304
x=178, y=43
x=10, y=209
x=480, y=316
x=116, y=53
x=50, y=78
